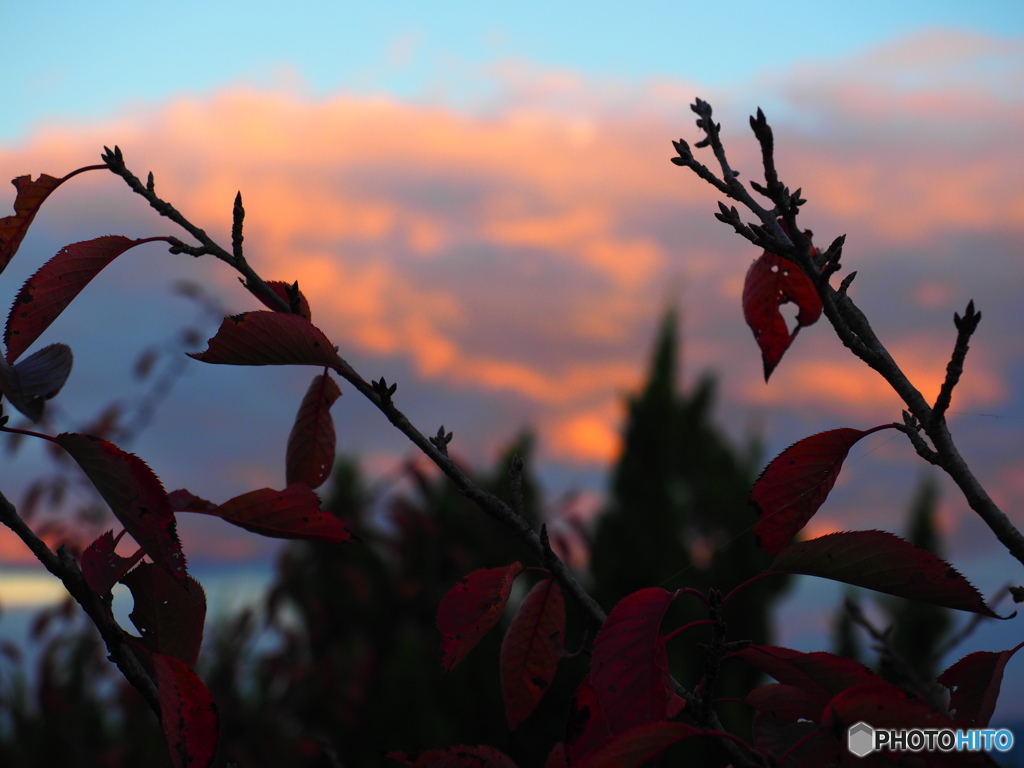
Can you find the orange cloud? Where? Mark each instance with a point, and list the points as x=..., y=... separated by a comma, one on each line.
x=528, y=250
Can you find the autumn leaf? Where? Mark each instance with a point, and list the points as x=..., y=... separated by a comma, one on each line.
x=168, y=613
x=883, y=562
x=310, y=454
x=281, y=288
x=771, y=282
x=188, y=713
x=102, y=567
x=472, y=607
x=29, y=198
x=49, y=291
x=587, y=727
x=629, y=665
x=531, y=650
x=973, y=684
x=269, y=338
x=818, y=674
x=796, y=483
x=293, y=513
x=29, y=383
x=134, y=494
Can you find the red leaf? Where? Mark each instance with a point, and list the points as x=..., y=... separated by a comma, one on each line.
x=168, y=613
x=457, y=757
x=635, y=747
x=771, y=282
x=531, y=650
x=185, y=501
x=102, y=567
x=796, y=483
x=281, y=289
x=293, y=513
x=885, y=563
x=629, y=665
x=586, y=728
x=269, y=338
x=310, y=455
x=29, y=198
x=30, y=383
x=133, y=493
x=973, y=684
x=46, y=294
x=820, y=675
x=188, y=713
x=472, y=607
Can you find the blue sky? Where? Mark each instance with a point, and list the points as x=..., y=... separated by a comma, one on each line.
x=479, y=204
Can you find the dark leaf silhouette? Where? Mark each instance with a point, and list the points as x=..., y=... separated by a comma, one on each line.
x=102, y=567
x=310, y=455
x=188, y=713
x=29, y=198
x=629, y=665
x=819, y=675
x=472, y=607
x=638, y=745
x=973, y=684
x=883, y=562
x=293, y=513
x=49, y=291
x=269, y=338
x=531, y=650
x=796, y=483
x=29, y=383
x=771, y=282
x=168, y=613
x=281, y=288
x=557, y=758
x=133, y=493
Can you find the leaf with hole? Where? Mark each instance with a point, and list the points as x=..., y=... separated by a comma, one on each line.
x=470, y=608
x=168, y=613
x=188, y=713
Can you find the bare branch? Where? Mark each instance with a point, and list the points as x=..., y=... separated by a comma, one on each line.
x=965, y=326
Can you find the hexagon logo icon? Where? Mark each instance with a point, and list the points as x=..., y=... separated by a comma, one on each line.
x=860, y=739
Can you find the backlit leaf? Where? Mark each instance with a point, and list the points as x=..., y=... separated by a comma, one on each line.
x=269, y=338
x=134, y=494
x=796, y=483
x=188, y=713
x=310, y=455
x=293, y=513
x=883, y=562
x=472, y=607
x=973, y=684
x=629, y=665
x=102, y=567
x=531, y=650
x=29, y=198
x=49, y=291
x=771, y=282
x=168, y=613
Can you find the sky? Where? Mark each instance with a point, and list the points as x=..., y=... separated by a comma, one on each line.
x=480, y=206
